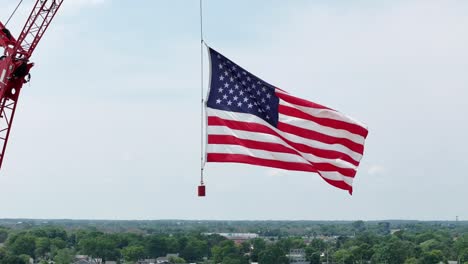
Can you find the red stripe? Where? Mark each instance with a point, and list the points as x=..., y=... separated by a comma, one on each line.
x=353, y=128
x=340, y=184
x=237, y=158
x=299, y=101
x=255, y=127
x=252, y=144
x=314, y=135
x=275, y=147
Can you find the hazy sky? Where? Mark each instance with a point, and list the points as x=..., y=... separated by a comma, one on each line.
x=109, y=127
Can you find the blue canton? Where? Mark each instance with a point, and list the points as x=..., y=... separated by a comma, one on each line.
x=236, y=90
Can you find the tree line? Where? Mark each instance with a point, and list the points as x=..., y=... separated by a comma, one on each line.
x=350, y=243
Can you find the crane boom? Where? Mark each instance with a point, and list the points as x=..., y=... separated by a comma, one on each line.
x=15, y=64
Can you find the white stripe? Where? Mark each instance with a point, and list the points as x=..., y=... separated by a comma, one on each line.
x=223, y=130
x=335, y=176
x=263, y=154
x=311, y=125
x=294, y=138
x=326, y=113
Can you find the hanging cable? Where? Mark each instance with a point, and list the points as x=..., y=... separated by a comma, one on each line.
x=13, y=13
x=201, y=94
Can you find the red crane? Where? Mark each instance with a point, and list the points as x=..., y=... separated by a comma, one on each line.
x=15, y=64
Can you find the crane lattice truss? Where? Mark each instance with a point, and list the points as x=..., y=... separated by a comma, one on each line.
x=15, y=64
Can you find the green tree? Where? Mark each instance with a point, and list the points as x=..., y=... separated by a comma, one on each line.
x=314, y=258
x=3, y=235
x=156, y=246
x=194, y=250
x=100, y=247
x=411, y=260
x=224, y=249
x=343, y=256
x=133, y=253
x=64, y=256
x=393, y=251
x=177, y=260
x=12, y=259
x=383, y=228
x=42, y=246
x=359, y=226
x=258, y=245
x=464, y=256
x=23, y=244
x=273, y=254
x=432, y=257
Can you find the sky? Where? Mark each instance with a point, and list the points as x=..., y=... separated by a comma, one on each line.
x=109, y=126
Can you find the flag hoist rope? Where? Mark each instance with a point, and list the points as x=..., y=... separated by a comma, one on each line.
x=202, y=153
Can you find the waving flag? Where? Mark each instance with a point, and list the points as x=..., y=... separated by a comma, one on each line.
x=253, y=122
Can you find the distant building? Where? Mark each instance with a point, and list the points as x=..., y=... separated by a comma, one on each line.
x=147, y=261
x=85, y=259
x=160, y=260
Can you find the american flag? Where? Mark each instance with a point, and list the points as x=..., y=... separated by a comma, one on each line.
x=253, y=122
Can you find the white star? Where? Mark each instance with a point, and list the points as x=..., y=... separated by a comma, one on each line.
x=226, y=73
x=229, y=102
x=220, y=66
x=218, y=101
x=259, y=110
x=253, y=86
x=267, y=117
x=259, y=82
x=238, y=75
x=248, y=78
x=244, y=83
x=244, y=73
x=226, y=85
x=268, y=95
x=236, y=86
x=234, y=68
x=231, y=79
x=241, y=92
x=268, y=107
x=264, y=89
x=235, y=98
x=220, y=90
x=225, y=97
x=231, y=91
x=250, y=105
x=258, y=92
x=246, y=99
x=263, y=100
x=219, y=56
x=239, y=104
x=221, y=78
